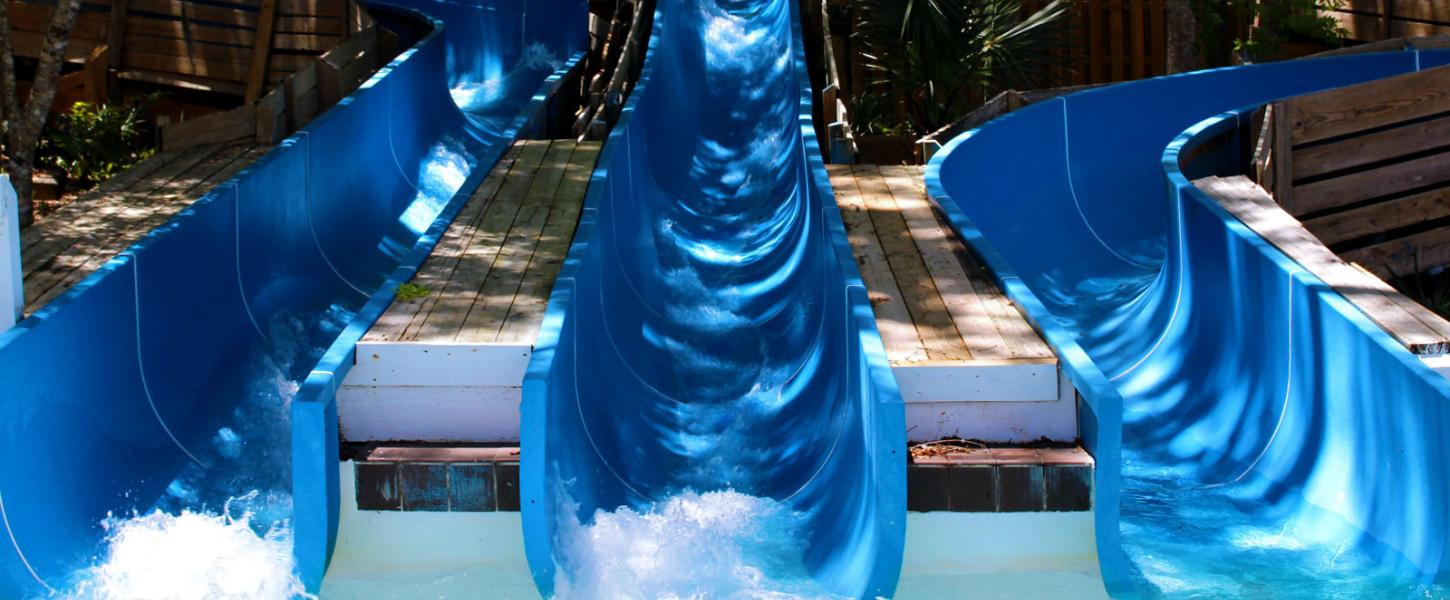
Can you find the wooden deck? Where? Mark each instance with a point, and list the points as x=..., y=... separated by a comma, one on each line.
x=449, y=367
x=489, y=278
x=69, y=244
x=934, y=301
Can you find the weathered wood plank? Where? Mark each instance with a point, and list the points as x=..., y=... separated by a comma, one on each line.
x=446, y=317
x=933, y=323
x=438, y=268
x=1383, y=181
x=1371, y=148
x=933, y=240
x=261, y=50
x=1347, y=110
x=1405, y=256
x=491, y=307
x=892, y=319
x=1384, y=216
x=1250, y=204
x=124, y=225
x=527, y=311
x=62, y=221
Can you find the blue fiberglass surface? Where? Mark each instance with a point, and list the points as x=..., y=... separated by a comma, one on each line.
x=1273, y=441
x=710, y=332
x=163, y=380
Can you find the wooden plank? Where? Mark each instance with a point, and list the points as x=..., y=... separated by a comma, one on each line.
x=30, y=44
x=933, y=323
x=1402, y=28
x=1361, y=27
x=1423, y=10
x=1140, y=59
x=1256, y=209
x=1384, y=216
x=933, y=240
x=116, y=36
x=61, y=221
x=1115, y=38
x=446, y=316
x=1363, y=185
x=210, y=129
x=527, y=311
x=184, y=81
x=1405, y=256
x=150, y=44
x=196, y=11
x=35, y=18
x=490, y=308
x=177, y=64
x=437, y=269
x=261, y=50
x=1371, y=148
x=114, y=219
x=892, y=319
x=1160, y=37
x=1282, y=156
x=1369, y=105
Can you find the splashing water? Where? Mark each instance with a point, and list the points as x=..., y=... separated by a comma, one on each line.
x=191, y=555
x=186, y=548
x=699, y=546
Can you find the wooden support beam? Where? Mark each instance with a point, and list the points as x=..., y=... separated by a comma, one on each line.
x=116, y=36
x=261, y=50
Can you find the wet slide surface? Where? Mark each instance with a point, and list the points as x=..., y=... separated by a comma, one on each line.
x=1256, y=435
x=708, y=405
x=185, y=389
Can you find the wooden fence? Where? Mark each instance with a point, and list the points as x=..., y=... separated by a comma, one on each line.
x=232, y=46
x=1373, y=20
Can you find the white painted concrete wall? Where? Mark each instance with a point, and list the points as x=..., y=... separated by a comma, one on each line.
x=12, y=286
x=471, y=393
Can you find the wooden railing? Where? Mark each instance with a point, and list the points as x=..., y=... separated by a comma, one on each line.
x=296, y=99
x=1373, y=20
x=1366, y=168
x=237, y=47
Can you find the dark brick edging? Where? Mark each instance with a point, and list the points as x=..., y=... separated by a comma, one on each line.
x=486, y=479
x=1001, y=480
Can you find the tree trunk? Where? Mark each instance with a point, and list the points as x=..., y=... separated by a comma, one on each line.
x=24, y=124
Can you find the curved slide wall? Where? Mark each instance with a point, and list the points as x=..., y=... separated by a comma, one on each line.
x=709, y=330
x=162, y=380
x=1197, y=346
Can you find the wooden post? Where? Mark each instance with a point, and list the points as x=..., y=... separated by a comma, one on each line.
x=98, y=73
x=116, y=37
x=261, y=50
x=1282, y=157
x=12, y=284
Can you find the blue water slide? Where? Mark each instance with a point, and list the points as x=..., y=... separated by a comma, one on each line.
x=1221, y=383
x=709, y=330
x=163, y=380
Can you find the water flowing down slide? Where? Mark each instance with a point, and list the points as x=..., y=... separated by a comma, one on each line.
x=709, y=405
x=187, y=386
x=1255, y=434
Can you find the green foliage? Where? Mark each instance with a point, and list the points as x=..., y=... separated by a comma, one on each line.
x=943, y=58
x=1258, y=29
x=94, y=142
x=413, y=291
x=1429, y=288
x=874, y=113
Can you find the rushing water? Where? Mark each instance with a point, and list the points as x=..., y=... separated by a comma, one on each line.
x=222, y=530
x=713, y=545
x=1191, y=540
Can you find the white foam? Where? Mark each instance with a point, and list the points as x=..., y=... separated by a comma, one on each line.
x=697, y=546
x=162, y=557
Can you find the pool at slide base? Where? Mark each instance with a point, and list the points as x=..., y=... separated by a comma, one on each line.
x=118, y=392
x=709, y=330
x=1239, y=409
